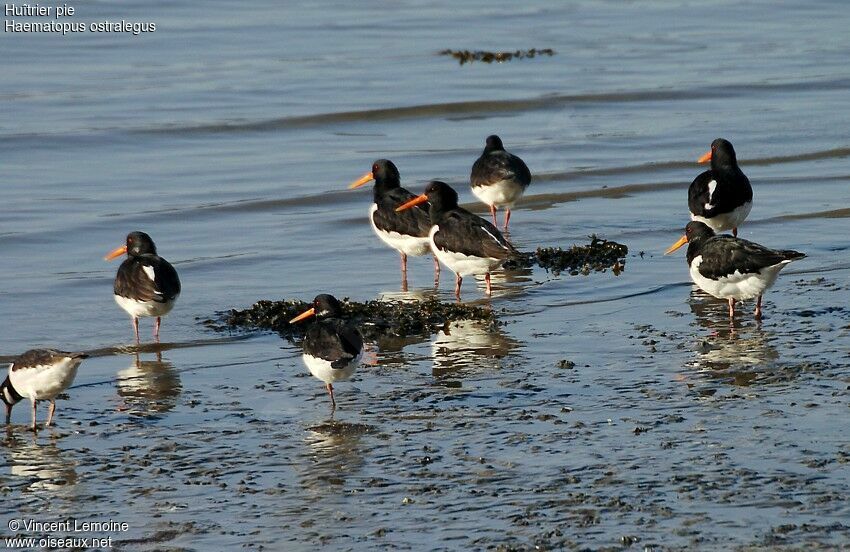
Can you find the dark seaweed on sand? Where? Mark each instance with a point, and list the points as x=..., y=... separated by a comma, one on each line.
x=374, y=318
x=597, y=256
x=467, y=56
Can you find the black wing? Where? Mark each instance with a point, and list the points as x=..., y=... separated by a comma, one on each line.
x=462, y=232
x=731, y=191
x=134, y=281
x=723, y=255
x=333, y=340
x=410, y=222
x=497, y=166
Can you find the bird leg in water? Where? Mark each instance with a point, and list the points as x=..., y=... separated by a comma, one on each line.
x=758, y=308
x=488, y=286
x=735, y=231
x=50, y=412
x=493, y=214
x=458, y=282
x=436, y=271
x=33, y=415
x=8, y=413
x=331, y=393
x=136, y=328
x=404, y=265
x=156, y=328
x=507, y=217
x=731, y=308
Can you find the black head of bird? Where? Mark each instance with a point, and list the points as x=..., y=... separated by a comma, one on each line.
x=721, y=154
x=493, y=143
x=324, y=306
x=137, y=243
x=440, y=195
x=695, y=231
x=384, y=173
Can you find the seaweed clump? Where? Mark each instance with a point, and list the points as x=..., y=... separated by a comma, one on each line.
x=467, y=56
x=376, y=319
x=597, y=256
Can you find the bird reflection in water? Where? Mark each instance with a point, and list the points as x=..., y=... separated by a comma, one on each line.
x=149, y=387
x=39, y=464
x=334, y=451
x=470, y=344
x=740, y=353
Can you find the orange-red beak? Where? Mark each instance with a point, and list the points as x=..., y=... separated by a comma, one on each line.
x=362, y=180
x=117, y=252
x=306, y=314
x=682, y=241
x=412, y=203
x=705, y=158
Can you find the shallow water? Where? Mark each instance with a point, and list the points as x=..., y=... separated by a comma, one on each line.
x=230, y=135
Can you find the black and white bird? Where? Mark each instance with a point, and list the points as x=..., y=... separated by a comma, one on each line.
x=722, y=196
x=407, y=231
x=146, y=284
x=499, y=178
x=39, y=374
x=731, y=268
x=333, y=347
x=464, y=242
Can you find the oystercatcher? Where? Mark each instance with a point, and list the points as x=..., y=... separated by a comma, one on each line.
x=464, y=242
x=499, y=178
x=721, y=197
x=731, y=268
x=406, y=232
x=332, y=347
x=146, y=284
x=39, y=374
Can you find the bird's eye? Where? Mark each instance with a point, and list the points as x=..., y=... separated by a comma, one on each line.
x=375, y=168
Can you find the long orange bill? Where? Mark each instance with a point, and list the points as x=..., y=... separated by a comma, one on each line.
x=412, y=203
x=306, y=314
x=362, y=180
x=117, y=252
x=682, y=241
x=705, y=158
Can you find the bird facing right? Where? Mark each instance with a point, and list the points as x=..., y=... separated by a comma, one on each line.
x=731, y=268
x=722, y=196
x=499, y=178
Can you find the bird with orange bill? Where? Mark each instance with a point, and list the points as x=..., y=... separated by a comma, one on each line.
x=720, y=197
x=731, y=268
x=464, y=242
x=332, y=346
x=404, y=231
x=146, y=284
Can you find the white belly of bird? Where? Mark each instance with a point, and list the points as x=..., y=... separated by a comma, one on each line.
x=503, y=193
x=144, y=308
x=45, y=381
x=409, y=245
x=736, y=285
x=322, y=369
x=726, y=221
x=463, y=265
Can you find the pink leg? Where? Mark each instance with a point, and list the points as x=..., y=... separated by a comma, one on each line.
x=493, y=214
x=507, y=217
x=731, y=308
x=8, y=413
x=51, y=411
x=156, y=328
x=458, y=282
x=735, y=231
x=404, y=264
x=489, y=287
x=33, y=416
x=330, y=389
x=436, y=271
x=136, y=328
x=758, y=308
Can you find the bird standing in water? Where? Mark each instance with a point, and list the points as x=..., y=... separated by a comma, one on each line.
x=720, y=197
x=499, y=178
x=333, y=347
x=146, y=284
x=731, y=268
x=464, y=242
